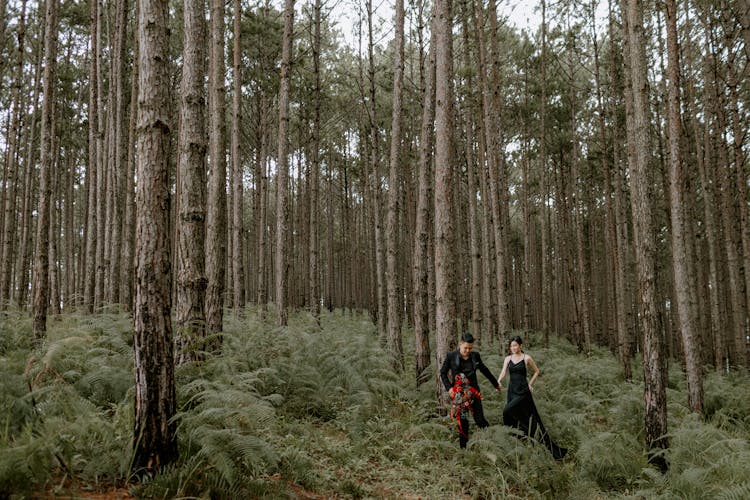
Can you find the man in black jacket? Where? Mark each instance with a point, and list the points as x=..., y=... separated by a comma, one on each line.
x=467, y=362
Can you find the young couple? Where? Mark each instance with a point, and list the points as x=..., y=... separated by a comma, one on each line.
x=520, y=411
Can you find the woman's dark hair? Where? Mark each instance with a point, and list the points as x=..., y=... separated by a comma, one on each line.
x=516, y=339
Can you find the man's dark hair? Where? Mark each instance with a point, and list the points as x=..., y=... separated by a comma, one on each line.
x=468, y=338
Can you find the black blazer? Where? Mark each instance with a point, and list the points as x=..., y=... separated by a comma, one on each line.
x=452, y=363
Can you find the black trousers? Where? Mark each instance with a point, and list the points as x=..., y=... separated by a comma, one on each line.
x=479, y=419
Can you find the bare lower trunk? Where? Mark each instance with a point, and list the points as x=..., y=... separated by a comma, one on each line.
x=238, y=268
x=421, y=233
x=684, y=289
x=282, y=203
x=216, y=217
x=640, y=174
x=395, y=347
x=190, y=317
x=445, y=312
x=154, y=438
x=46, y=159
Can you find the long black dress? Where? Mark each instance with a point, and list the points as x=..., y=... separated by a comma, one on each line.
x=520, y=411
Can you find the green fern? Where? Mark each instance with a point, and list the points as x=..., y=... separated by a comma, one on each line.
x=739, y=491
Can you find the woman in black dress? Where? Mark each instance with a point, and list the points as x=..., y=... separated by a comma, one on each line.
x=520, y=411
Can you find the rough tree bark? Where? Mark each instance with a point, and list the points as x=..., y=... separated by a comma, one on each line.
x=46, y=159
x=154, y=438
x=216, y=217
x=190, y=317
x=282, y=179
x=445, y=310
x=645, y=245
x=395, y=346
x=684, y=289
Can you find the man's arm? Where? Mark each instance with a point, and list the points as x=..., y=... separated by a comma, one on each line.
x=444, y=372
x=486, y=372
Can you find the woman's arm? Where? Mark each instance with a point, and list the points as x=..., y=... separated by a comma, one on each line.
x=502, y=373
x=531, y=364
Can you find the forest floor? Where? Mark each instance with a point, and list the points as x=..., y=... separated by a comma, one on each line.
x=310, y=412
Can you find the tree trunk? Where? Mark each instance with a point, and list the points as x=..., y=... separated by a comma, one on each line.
x=684, y=289
x=546, y=270
x=101, y=175
x=382, y=313
x=640, y=175
x=238, y=205
x=263, y=223
x=395, y=346
x=93, y=163
x=445, y=312
x=29, y=191
x=154, y=438
x=471, y=166
x=118, y=154
x=216, y=216
x=190, y=317
x=282, y=179
x=422, y=223
x=127, y=265
x=314, y=244
x=493, y=154
x=12, y=166
x=46, y=160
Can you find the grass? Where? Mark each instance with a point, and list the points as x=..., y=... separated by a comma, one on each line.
x=308, y=412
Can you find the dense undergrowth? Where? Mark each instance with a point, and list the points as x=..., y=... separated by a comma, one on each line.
x=317, y=413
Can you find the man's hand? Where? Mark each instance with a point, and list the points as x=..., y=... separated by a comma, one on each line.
x=499, y=388
x=450, y=392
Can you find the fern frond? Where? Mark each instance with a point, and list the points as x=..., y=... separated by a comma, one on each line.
x=739, y=491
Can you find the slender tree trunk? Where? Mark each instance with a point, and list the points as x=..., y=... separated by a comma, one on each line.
x=282, y=179
x=216, y=221
x=445, y=312
x=263, y=224
x=493, y=165
x=546, y=270
x=93, y=163
x=640, y=174
x=623, y=294
x=422, y=229
x=382, y=313
x=314, y=244
x=680, y=267
x=119, y=153
x=101, y=175
x=528, y=228
x=127, y=266
x=474, y=244
x=580, y=278
x=46, y=159
x=190, y=317
x=12, y=165
x=54, y=227
x=29, y=192
x=395, y=347
x=238, y=205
